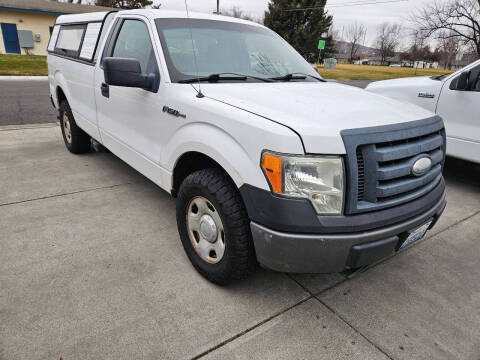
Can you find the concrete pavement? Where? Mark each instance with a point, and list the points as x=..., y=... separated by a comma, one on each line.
x=91, y=267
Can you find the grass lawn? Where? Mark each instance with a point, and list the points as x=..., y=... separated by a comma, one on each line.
x=37, y=65
x=23, y=65
x=366, y=72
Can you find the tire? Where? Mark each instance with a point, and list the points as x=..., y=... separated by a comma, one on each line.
x=215, y=189
x=76, y=140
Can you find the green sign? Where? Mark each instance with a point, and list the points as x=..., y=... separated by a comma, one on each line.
x=321, y=44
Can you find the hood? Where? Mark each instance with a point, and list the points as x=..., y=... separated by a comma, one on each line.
x=316, y=111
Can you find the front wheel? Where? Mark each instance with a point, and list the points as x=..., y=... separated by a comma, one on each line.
x=214, y=227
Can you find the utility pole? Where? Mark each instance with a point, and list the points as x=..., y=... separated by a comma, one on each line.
x=218, y=7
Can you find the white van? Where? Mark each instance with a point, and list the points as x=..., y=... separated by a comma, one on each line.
x=269, y=163
x=455, y=97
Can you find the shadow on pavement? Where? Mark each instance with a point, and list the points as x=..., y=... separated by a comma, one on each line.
x=462, y=172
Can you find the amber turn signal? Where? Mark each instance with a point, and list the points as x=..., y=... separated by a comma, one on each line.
x=272, y=165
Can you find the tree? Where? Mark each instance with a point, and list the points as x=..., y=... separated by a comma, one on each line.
x=388, y=39
x=447, y=49
x=451, y=19
x=355, y=35
x=301, y=23
x=124, y=4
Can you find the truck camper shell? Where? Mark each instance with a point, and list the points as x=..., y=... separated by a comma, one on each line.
x=87, y=30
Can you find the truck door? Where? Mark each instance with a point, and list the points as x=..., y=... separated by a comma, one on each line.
x=130, y=119
x=460, y=110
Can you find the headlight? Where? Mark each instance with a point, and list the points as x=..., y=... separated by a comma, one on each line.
x=317, y=178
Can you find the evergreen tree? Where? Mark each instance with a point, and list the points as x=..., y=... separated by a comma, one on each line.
x=302, y=28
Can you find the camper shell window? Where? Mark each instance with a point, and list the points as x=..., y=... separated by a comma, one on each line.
x=80, y=40
x=70, y=40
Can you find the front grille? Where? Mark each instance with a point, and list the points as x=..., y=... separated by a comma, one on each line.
x=361, y=175
x=380, y=161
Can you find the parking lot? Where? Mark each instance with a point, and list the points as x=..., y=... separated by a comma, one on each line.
x=92, y=268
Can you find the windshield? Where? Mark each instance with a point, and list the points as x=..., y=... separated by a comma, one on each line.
x=228, y=48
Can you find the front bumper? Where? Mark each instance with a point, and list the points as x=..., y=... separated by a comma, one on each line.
x=329, y=253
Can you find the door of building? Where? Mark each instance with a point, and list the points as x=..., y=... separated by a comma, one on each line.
x=10, y=38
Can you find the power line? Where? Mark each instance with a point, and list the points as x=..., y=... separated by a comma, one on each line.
x=348, y=4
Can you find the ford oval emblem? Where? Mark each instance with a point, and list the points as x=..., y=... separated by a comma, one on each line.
x=421, y=166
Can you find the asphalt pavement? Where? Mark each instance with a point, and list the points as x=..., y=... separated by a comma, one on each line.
x=25, y=102
x=28, y=102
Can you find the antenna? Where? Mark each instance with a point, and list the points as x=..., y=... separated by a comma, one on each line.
x=199, y=95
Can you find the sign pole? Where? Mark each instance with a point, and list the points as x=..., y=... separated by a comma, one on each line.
x=321, y=46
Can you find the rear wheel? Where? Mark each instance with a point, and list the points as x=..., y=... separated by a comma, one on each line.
x=76, y=140
x=214, y=227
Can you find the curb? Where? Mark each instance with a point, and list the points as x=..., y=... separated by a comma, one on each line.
x=24, y=78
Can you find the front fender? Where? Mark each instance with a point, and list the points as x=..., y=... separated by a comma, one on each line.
x=222, y=148
x=423, y=92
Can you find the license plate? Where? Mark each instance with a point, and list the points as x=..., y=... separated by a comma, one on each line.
x=416, y=234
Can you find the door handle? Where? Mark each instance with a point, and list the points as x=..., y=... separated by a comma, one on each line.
x=105, y=90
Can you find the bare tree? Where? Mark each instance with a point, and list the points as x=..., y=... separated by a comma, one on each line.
x=388, y=40
x=448, y=48
x=124, y=4
x=335, y=35
x=451, y=19
x=355, y=36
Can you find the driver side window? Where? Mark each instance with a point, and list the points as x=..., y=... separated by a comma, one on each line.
x=133, y=42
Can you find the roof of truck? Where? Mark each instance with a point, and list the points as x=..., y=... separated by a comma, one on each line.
x=149, y=13
x=89, y=17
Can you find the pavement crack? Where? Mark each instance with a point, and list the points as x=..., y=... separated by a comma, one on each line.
x=447, y=228
x=421, y=241
x=315, y=296
x=64, y=194
x=225, y=342
x=377, y=347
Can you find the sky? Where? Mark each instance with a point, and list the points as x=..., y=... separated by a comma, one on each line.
x=371, y=15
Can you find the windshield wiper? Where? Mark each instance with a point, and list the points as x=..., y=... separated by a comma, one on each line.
x=222, y=77
x=296, y=76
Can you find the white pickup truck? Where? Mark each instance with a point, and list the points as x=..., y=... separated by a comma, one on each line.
x=455, y=97
x=268, y=162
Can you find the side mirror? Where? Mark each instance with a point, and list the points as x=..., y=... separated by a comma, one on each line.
x=315, y=68
x=462, y=81
x=127, y=73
